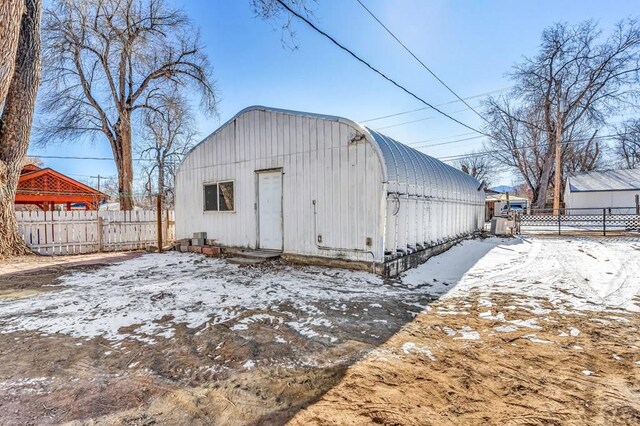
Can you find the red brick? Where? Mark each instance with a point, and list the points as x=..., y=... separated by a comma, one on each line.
x=211, y=251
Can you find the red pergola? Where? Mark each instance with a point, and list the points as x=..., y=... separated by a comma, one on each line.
x=45, y=188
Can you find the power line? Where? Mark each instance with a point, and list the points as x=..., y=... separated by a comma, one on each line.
x=445, y=143
x=420, y=61
x=495, y=151
x=89, y=176
x=441, y=138
x=69, y=193
x=418, y=120
x=64, y=157
x=416, y=146
x=439, y=105
x=371, y=67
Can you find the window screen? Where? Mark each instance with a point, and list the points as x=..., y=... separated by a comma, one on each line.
x=211, y=197
x=225, y=196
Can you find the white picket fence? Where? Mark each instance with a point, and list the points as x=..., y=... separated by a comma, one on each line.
x=85, y=231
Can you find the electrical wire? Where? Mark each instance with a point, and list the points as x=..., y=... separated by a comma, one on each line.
x=419, y=61
x=445, y=143
x=418, y=120
x=71, y=193
x=439, y=105
x=64, y=157
x=441, y=138
x=495, y=151
x=371, y=67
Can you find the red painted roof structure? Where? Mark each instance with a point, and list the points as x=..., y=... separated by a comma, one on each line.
x=46, y=187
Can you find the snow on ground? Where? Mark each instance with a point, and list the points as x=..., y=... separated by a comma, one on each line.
x=146, y=296
x=153, y=292
x=571, y=273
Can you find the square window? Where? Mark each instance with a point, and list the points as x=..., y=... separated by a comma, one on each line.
x=225, y=196
x=211, y=197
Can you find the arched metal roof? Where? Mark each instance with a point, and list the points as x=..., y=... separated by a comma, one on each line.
x=406, y=170
x=412, y=172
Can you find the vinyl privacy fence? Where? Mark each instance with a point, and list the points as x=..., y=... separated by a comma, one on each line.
x=80, y=231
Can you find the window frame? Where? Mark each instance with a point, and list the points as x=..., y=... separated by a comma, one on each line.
x=217, y=184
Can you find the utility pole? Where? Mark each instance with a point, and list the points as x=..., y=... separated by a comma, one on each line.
x=98, y=177
x=557, y=181
x=159, y=221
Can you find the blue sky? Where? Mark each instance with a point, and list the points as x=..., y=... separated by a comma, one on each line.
x=470, y=44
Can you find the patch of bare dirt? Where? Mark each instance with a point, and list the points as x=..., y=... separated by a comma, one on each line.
x=577, y=368
x=46, y=265
x=263, y=372
x=478, y=359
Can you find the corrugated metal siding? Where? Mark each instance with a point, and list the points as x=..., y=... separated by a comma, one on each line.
x=429, y=202
x=374, y=188
x=319, y=163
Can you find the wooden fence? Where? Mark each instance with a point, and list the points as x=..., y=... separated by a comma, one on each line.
x=82, y=231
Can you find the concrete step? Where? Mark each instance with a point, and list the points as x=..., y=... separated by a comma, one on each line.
x=255, y=254
x=245, y=260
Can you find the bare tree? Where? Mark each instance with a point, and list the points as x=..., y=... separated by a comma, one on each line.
x=10, y=20
x=272, y=10
x=36, y=161
x=575, y=83
x=479, y=166
x=517, y=142
x=168, y=136
x=107, y=59
x=627, y=145
x=16, y=121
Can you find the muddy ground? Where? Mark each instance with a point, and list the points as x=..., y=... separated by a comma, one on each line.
x=537, y=332
x=199, y=376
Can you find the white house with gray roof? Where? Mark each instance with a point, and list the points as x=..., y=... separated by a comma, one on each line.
x=612, y=189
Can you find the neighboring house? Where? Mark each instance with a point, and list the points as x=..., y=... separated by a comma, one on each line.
x=496, y=204
x=48, y=189
x=489, y=203
x=316, y=187
x=515, y=203
x=615, y=190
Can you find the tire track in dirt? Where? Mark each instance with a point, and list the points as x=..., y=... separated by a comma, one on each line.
x=590, y=377
x=621, y=275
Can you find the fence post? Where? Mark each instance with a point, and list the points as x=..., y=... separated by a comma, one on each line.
x=99, y=225
x=604, y=222
x=159, y=214
x=166, y=226
x=637, y=204
x=559, y=222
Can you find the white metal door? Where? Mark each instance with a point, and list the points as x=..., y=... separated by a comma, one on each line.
x=270, y=210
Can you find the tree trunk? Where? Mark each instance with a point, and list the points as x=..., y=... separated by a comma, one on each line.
x=15, y=125
x=10, y=19
x=543, y=185
x=545, y=175
x=161, y=178
x=535, y=196
x=124, y=161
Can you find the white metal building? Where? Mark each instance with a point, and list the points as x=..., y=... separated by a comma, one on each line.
x=615, y=189
x=321, y=187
